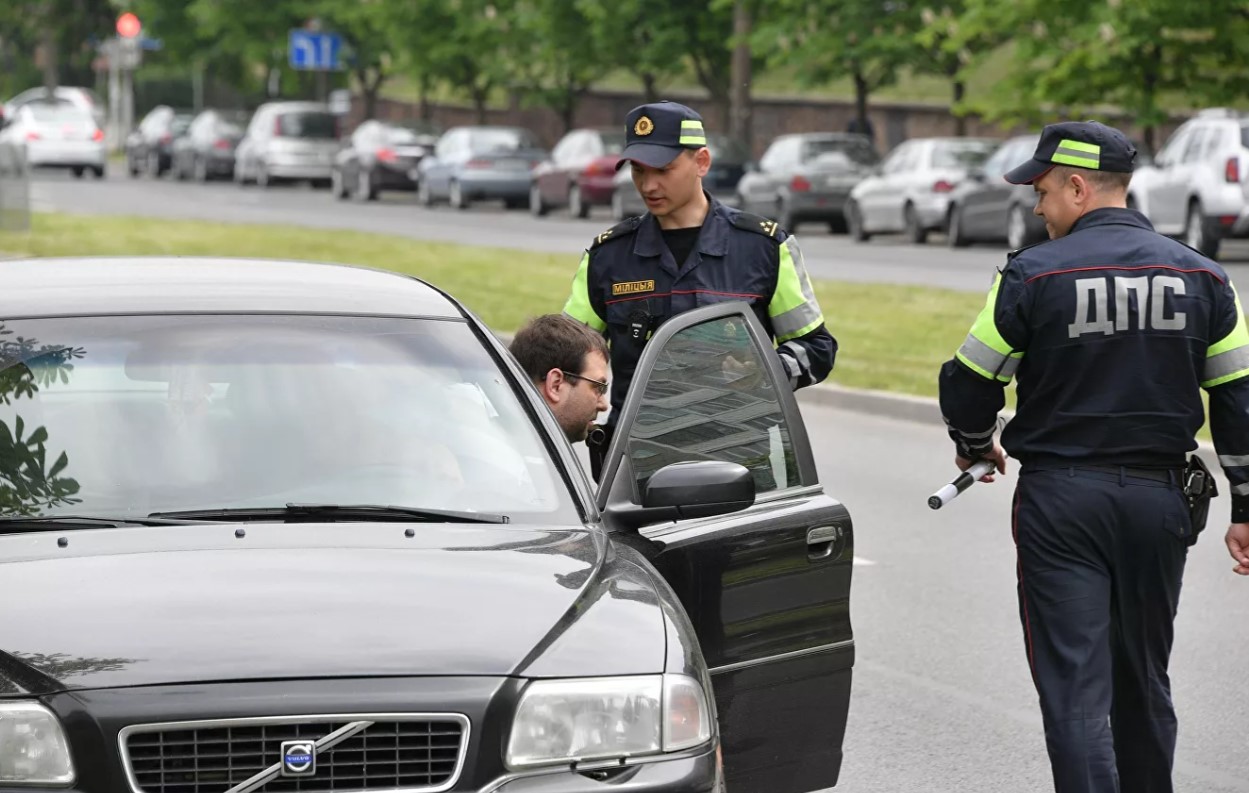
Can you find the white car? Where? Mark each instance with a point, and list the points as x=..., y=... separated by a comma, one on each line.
x=911, y=191
x=57, y=134
x=84, y=98
x=1198, y=186
x=288, y=141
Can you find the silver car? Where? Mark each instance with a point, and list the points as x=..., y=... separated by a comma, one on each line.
x=288, y=141
x=1198, y=185
x=480, y=164
x=986, y=208
x=911, y=191
x=57, y=134
x=807, y=177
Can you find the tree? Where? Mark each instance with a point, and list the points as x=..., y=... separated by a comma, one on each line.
x=1085, y=57
x=28, y=484
x=637, y=36
x=557, y=53
x=823, y=40
x=945, y=49
x=363, y=23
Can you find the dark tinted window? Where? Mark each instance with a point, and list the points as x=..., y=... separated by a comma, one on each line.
x=859, y=151
x=1244, y=135
x=961, y=154
x=308, y=125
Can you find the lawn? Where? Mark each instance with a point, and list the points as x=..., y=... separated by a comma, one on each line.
x=892, y=338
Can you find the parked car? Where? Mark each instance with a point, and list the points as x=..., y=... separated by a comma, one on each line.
x=149, y=149
x=807, y=177
x=206, y=151
x=579, y=174
x=728, y=163
x=286, y=142
x=1197, y=188
x=84, y=98
x=911, y=192
x=350, y=542
x=985, y=207
x=381, y=156
x=480, y=164
x=56, y=134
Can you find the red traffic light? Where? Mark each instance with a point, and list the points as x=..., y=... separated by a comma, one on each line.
x=128, y=25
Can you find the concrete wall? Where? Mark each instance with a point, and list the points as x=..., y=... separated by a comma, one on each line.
x=893, y=122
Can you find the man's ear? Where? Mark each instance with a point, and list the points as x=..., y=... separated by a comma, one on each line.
x=1080, y=185
x=703, y=158
x=550, y=385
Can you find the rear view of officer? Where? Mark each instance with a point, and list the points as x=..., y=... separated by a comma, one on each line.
x=690, y=250
x=1112, y=330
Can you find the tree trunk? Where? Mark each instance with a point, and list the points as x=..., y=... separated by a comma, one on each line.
x=650, y=86
x=48, y=44
x=740, y=124
x=427, y=112
x=861, y=91
x=480, y=95
x=568, y=105
x=960, y=121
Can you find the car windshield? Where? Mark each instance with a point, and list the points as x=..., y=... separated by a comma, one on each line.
x=961, y=154
x=308, y=125
x=488, y=140
x=860, y=151
x=126, y=416
x=725, y=148
x=58, y=113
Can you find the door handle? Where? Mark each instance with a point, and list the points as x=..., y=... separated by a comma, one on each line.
x=821, y=541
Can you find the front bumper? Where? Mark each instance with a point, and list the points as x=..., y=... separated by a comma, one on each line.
x=94, y=722
x=495, y=184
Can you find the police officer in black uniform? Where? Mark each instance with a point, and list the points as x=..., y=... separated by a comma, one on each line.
x=1111, y=330
x=690, y=250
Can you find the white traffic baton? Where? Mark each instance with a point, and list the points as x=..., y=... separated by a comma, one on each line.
x=963, y=481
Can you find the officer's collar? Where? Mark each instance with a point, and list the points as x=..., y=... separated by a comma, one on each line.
x=713, y=239
x=1111, y=216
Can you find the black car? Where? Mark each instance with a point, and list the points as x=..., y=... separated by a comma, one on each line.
x=150, y=147
x=274, y=526
x=206, y=151
x=381, y=156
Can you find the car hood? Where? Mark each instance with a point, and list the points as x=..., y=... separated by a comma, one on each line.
x=163, y=605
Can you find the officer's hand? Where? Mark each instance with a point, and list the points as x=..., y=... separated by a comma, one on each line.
x=998, y=456
x=1238, y=546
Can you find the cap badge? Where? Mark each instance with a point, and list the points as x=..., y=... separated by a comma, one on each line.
x=643, y=127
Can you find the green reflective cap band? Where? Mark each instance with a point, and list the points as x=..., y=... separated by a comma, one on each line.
x=693, y=140
x=690, y=124
x=1078, y=153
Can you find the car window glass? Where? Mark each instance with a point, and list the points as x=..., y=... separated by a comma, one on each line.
x=710, y=397
x=771, y=158
x=308, y=124
x=859, y=151
x=899, y=159
x=613, y=143
x=960, y=154
x=565, y=148
x=1174, y=146
x=194, y=412
x=1192, y=151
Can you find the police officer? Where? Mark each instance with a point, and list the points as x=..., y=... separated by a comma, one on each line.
x=1112, y=330
x=690, y=250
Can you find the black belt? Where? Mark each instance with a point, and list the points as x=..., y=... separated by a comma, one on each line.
x=1164, y=475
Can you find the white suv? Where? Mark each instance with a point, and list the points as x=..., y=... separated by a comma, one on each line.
x=1198, y=187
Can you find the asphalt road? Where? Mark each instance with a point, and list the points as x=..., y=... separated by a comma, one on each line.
x=885, y=259
x=942, y=699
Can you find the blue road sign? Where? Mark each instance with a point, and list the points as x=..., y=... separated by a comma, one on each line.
x=314, y=51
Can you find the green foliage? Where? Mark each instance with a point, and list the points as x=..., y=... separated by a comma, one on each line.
x=28, y=484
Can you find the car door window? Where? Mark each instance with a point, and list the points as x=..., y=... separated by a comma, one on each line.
x=710, y=396
x=899, y=160
x=1174, y=147
x=1196, y=142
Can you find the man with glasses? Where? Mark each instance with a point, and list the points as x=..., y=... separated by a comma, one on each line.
x=567, y=363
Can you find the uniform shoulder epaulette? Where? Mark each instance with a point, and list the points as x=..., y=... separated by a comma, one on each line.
x=758, y=224
x=622, y=229
x=1018, y=251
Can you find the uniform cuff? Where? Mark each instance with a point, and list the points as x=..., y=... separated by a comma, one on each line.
x=1240, y=509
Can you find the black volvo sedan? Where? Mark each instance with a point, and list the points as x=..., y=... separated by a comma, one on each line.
x=278, y=526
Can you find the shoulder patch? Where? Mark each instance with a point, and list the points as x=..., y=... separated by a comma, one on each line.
x=621, y=229
x=759, y=225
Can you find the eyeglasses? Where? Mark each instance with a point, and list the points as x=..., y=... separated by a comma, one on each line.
x=599, y=386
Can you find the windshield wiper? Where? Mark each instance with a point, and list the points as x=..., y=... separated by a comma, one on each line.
x=329, y=513
x=54, y=522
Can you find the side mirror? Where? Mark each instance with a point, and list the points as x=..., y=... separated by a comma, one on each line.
x=698, y=489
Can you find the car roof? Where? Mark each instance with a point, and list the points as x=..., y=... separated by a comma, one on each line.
x=92, y=286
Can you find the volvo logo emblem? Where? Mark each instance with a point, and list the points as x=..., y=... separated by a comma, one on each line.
x=299, y=758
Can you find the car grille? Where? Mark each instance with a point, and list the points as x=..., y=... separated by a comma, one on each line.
x=391, y=753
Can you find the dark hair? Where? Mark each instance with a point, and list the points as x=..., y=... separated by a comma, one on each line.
x=1106, y=180
x=554, y=341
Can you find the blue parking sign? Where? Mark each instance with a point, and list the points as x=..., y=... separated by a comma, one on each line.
x=314, y=51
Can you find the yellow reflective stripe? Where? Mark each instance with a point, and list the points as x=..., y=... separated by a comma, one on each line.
x=1078, y=153
x=1228, y=358
x=692, y=133
x=1079, y=162
x=793, y=309
x=1079, y=145
x=578, y=306
x=984, y=351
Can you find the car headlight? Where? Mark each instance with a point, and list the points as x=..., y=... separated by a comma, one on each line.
x=33, y=749
x=565, y=721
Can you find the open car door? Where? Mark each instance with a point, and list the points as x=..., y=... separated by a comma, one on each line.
x=767, y=587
